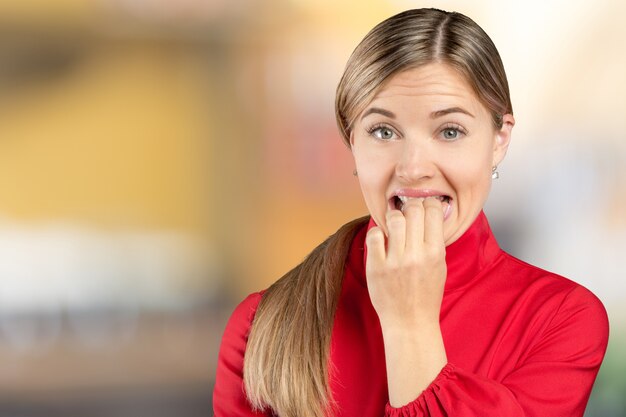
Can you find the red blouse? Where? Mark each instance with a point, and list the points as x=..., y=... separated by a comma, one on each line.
x=520, y=341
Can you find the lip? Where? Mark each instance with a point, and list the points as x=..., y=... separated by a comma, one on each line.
x=410, y=192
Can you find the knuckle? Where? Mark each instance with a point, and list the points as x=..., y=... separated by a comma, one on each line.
x=434, y=209
x=395, y=218
x=393, y=269
x=417, y=203
x=374, y=270
x=413, y=207
x=374, y=235
x=433, y=252
x=413, y=267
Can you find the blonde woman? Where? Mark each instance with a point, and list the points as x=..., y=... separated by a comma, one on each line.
x=415, y=310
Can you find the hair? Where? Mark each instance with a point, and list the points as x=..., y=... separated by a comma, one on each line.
x=418, y=37
x=286, y=363
x=286, y=360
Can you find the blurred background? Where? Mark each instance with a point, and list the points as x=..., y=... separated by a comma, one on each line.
x=161, y=159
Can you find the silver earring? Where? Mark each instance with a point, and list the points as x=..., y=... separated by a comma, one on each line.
x=356, y=174
x=494, y=173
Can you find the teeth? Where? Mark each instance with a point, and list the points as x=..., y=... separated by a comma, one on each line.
x=403, y=199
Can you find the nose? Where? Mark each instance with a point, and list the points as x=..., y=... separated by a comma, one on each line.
x=416, y=162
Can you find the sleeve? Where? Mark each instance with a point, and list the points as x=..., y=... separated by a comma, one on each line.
x=554, y=379
x=229, y=398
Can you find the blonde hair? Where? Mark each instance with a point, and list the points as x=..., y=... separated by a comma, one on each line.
x=418, y=37
x=286, y=360
x=286, y=363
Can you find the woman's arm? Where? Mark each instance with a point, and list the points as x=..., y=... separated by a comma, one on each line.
x=553, y=379
x=405, y=281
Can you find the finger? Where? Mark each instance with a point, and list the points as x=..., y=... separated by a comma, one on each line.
x=414, y=215
x=375, y=242
x=396, y=229
x=433, y=221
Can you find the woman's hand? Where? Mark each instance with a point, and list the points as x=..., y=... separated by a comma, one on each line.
x=405, y=282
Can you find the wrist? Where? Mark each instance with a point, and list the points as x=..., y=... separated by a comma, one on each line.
x=414, y=357
x=414, y=327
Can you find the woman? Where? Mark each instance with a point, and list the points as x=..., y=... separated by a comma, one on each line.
x=415, y=310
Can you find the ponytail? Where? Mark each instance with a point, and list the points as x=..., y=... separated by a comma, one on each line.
x=286, y=362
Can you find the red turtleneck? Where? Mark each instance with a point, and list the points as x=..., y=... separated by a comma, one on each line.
x=520, y=341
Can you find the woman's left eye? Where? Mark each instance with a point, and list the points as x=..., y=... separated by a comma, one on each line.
x=451, y=133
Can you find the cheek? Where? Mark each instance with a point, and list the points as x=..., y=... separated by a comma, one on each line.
x=374, y=175
x=470, y=174
x=372, y=181
x=472, y=179
x=372, y=167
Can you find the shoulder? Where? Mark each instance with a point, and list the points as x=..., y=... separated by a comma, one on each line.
x=233, y=347
x=545, y=284
x=228, y=393
x=574, y=315
x=238, y=326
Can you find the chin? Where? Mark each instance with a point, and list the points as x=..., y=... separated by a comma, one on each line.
x=458, y=227
x=449, y=236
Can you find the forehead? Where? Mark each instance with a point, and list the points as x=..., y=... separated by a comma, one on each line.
x=432, y=85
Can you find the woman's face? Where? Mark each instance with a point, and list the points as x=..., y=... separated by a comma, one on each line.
x=426, y=133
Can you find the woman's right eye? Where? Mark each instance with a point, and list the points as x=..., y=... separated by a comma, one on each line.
x=382, y=133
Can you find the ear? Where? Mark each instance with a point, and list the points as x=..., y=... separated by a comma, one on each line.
x=351, y=139
x=503, y=138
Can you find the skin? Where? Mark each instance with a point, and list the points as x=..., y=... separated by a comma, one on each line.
x=402, y=140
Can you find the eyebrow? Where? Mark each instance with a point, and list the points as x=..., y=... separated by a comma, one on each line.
x=443, y=112
x=433, y=115
x=379, y=111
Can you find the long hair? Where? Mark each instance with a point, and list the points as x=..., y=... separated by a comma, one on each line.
x=286, y=360
x=286, y=364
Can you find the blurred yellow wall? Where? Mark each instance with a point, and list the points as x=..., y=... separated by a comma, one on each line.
x=119, y=141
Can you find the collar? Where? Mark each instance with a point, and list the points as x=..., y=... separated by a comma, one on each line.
x=469, y=255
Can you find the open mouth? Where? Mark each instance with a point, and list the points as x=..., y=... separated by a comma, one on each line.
x=399, y=201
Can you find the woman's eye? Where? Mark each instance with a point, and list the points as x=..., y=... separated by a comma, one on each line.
x=383, y=133
x=451, y=133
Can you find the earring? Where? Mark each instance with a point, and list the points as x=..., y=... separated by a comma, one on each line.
x=494, y=172
x=356, y=174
